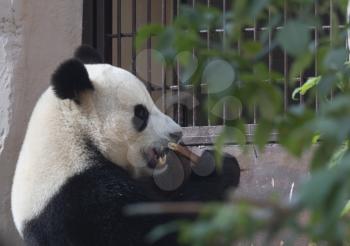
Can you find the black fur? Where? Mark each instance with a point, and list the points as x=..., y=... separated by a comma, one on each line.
x=88, y=55
x=140, y=119
x=88, y=209
x=71, y=78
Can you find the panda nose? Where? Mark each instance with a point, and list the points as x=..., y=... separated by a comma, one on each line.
x=176, y=136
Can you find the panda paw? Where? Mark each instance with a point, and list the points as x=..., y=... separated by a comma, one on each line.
x=208, y=181
x=225, y=174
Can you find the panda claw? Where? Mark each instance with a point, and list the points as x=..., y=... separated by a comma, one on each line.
x=162, y=160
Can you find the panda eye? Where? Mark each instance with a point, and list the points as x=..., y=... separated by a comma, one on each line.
x=140, y=118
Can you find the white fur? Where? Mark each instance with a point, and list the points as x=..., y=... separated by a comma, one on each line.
x=53, y=149
x=50, y=154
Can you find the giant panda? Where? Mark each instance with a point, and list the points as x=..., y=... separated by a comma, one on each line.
x=93, y=141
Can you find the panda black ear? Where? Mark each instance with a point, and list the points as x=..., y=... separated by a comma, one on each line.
x=70, y=79
x=87, y=55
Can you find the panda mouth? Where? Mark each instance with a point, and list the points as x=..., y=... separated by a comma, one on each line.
x=156, y=157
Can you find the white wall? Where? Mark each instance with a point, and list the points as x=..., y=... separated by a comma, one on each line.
x=35, y=35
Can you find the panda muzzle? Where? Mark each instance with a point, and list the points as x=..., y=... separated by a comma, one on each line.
x=156, y=156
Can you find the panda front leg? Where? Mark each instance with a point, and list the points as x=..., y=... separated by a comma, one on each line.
x=209, y=181
x=196, y=187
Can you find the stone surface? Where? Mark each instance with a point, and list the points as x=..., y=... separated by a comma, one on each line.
x=35, y=35
x=273, y=173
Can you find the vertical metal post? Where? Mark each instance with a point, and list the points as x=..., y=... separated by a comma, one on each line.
x=177, y=76
x=104, y=27
x=149, y=47
x=270, y=42
x=163, y=76
x=119, y=33
x=100, y=32
x=133, y=27
x=331, y=32
x=316, y=53
x=285, y=62
x=224, y=47
x=88, y=22
x=255, y=37
x=208, y=46
x=196, y=90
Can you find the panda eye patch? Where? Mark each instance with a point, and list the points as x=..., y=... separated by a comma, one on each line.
x=140, y=118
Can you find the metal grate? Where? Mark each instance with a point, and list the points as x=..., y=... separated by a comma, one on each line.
x=111, y=25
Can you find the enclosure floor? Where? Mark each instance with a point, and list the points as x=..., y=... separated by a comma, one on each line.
x=271, y=174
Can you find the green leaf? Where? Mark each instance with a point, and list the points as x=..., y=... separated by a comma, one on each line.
x=294, y=37
x=316, y=138
x=228, y=135
x=309, y=84
x=262, y=133
x=346, y=209
x=322, y=155
x=301, y=63
x=339, y=154
x=326, y=84
x=187, y=66
x=219, y=75
x=257, y=6
x=252, y=48
x=335, y=59
x=146, y=32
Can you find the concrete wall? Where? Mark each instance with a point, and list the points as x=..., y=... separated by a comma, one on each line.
x=35, y=35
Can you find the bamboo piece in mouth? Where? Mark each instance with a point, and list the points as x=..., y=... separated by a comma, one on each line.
x=184, y=151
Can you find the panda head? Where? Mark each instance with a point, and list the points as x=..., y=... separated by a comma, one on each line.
x=113, y=110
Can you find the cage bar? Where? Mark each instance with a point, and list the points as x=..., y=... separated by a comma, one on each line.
x=97, y=26
x=285, y=63
x=316, y=33
x=149, y=47
x=194, y=90
x=163, y=76
x=133, y=49
x=119, y=31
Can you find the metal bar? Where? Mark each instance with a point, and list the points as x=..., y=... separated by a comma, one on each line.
x=208, y=31
x=121, y=35
x=133, y=27
x=100, y=27
x=108, y=29
x=208, y=46
x=301, y=98
x=270, y=42
x=104, y=26
x=206, y=135
x=149, y=46
x=178, y=92
x=88, y=22
x=239, y=53
x=254, y=37
x=316, y=54
x=331, y=32
x=194, y=95
x=285, y=63
x=264, y=28
x=163, y=75
x=331, y=22
x=178, y=75
x=119, y=30
x=195, y=90
x=224, y=48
